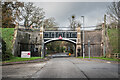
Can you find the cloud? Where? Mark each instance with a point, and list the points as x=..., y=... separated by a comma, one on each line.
x=61, y=11
x=93, y=11
x=67, y=0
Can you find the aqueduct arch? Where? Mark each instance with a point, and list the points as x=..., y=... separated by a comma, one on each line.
x=70, y=36
x=63, y=39
x=73, y=47
x=28, y=39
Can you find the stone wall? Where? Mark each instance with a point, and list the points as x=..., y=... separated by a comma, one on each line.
x=95, y=38
x=30, y=40
x=27, y=40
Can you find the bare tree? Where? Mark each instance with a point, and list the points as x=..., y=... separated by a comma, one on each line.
x=73, y=23
x=50, y=24
x=10, y=13
x=114, y=11
x=32, y=15
x=0, y=14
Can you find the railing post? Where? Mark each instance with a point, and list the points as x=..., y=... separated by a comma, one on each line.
x=65, y=34
x=54, y=34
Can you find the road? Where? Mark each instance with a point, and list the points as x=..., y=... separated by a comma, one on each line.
x=68, y=67
x=60, y=55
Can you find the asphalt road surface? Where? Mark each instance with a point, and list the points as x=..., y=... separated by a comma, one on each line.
x=60, y=55
x=68, y=67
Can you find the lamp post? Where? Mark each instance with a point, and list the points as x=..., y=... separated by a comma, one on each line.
x=42, y=54
x=83, y=38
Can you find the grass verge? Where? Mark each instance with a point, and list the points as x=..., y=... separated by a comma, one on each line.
x=109, y=59
x=18, y=59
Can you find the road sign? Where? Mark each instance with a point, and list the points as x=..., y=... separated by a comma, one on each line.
x=25, y=54
x=60, y=37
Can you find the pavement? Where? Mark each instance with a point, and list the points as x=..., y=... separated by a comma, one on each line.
x=21, y=70
x=101, y=60
x=68, y=67
x=60, y=55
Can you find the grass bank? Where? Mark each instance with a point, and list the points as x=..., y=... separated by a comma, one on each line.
x=7, y=42
x=7, y=36
x=109, y=59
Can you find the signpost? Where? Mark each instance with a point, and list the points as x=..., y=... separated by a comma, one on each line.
x=89, y=48
x=25, y=54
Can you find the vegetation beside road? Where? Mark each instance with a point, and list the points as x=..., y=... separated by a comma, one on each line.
x=113, y=37
x=7, y=35
x=7, y=38
x=109, y=59
x=18, y=59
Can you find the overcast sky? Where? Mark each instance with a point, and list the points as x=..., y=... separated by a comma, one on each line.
x=61, y=11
